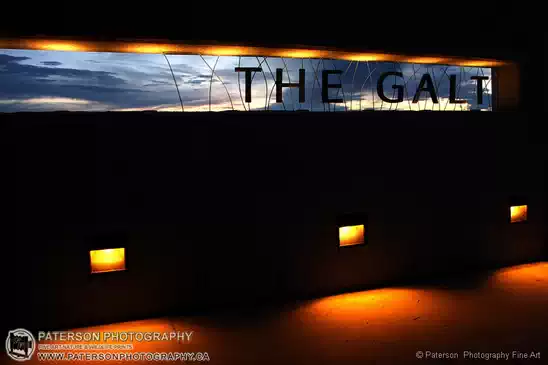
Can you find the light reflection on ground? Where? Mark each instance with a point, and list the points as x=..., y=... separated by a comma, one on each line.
x=506, y=311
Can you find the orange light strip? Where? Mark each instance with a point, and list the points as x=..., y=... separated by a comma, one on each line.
x=212, y=50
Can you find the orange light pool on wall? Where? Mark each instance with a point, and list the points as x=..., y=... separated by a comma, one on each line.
x=351, y=235
x=518, y=213
x=111, y=259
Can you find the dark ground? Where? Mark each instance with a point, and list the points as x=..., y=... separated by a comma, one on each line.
x=488, y=312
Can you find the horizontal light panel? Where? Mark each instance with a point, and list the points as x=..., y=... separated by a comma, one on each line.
x=107, y=260
x=64, y=76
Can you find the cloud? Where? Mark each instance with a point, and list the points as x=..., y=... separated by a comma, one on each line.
x=156, y=83
x=51, y=104
x=5, y=59
x=25, y=81
x=51, y=63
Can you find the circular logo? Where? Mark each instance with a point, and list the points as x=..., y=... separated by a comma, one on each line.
x=20, y=344
x=419, y=354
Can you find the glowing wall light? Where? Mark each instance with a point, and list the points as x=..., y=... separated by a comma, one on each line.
x=352, y=229
x=518, y=213
x=111, y=259
x=351, y=235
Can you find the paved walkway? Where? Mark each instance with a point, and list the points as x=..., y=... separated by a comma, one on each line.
x=497, y=313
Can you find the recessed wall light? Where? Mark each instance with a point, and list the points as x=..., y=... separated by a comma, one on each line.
x=352, y=229
x=518, y=213
x=351, y=235
x=107, y=260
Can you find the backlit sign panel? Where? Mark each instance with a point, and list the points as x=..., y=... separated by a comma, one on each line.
x=77, y=79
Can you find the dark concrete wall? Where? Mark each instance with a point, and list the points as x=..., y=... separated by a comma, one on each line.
x=541, y=67
x=507, y=88
x=237, y=208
